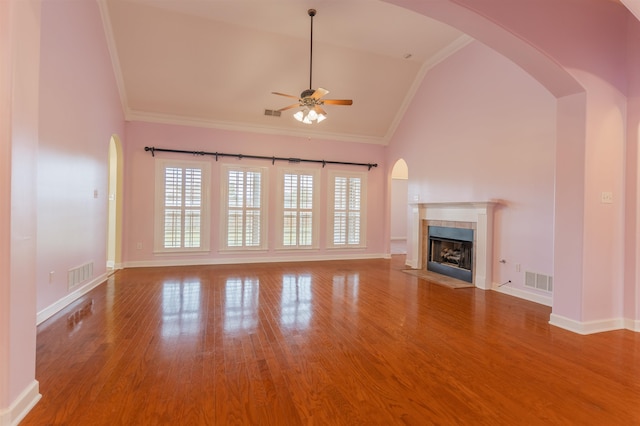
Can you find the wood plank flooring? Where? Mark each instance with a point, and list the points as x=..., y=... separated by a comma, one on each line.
x=324, y=343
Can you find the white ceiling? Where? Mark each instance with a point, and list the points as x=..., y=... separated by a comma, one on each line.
x=215, y=63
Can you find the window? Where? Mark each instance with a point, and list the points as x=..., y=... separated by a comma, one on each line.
x=182, y=214
x=347, y=209
x=243, y=208
x=298, y=204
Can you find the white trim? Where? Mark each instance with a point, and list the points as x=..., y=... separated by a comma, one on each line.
x=161, y=164
x=244, y=260
x=150, y=117
x=430, y=63
x=480, y=213
x=633, y=325
x=332, y=175
x=316, y=208
x=224, y=206
x=113, y=54
x=56, y=307
x=524, y=294
x=19, y=408
x=586, y=327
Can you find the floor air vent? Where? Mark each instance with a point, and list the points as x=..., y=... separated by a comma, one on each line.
x=538, y=281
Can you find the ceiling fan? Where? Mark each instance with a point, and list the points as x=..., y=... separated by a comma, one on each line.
x=311, y=100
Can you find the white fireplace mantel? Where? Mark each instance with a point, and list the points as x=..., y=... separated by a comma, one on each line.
x=479, y=213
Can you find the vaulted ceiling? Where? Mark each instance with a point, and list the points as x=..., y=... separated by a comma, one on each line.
x=215, y=63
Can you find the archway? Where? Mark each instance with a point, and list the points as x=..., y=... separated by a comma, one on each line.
x=114, y=223
x=399, y=205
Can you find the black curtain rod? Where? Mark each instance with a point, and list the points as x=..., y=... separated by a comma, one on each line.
x=153, y=151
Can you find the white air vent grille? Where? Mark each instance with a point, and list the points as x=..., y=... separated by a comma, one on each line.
x=538, y=281
x=80, y=274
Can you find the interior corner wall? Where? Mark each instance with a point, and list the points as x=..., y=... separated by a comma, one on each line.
x=631, y=295
x=569, y=207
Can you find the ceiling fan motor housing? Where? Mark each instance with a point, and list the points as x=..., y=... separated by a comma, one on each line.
x=307, y=93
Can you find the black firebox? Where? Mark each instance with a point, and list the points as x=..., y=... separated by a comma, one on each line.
x=451, y=252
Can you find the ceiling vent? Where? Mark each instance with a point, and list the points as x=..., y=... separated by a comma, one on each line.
x=272, y=112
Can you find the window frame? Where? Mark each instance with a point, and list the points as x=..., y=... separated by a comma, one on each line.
x=161, y=164
x=224, y=207
x=315, y=210
x=331, y=203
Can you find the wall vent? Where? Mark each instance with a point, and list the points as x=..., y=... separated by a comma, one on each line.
x=79, y=275
x=538, y=281
x=272, y=112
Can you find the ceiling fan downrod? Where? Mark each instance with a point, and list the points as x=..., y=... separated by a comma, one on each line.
x=312, y=13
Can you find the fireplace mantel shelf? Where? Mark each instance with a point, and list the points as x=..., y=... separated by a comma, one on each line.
x=462, y=204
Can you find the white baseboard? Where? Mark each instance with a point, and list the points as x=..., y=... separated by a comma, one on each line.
x=587, y=327
x=56, y=307
x=524, y=294
x=633, y=325
x=243, y=260
x=14, y=414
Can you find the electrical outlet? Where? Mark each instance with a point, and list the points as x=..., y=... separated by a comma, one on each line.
x=51, y=274
x=139, y=246
x=517, y=267
x=606, y=197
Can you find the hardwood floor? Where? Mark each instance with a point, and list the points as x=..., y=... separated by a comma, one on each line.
x=339, y=343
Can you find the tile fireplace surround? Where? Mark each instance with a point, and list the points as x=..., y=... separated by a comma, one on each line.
x=474, y=215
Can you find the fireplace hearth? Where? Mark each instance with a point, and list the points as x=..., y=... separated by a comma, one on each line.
x=450, y=252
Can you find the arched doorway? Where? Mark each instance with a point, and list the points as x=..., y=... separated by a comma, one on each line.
x=114, y=223
x=399, y=204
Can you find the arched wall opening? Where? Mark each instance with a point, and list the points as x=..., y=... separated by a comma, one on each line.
x=569, y=195
x=399, y=207
x=115, y=196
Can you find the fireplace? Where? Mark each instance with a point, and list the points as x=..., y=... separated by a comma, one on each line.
x=474, y=216
x=450, y=252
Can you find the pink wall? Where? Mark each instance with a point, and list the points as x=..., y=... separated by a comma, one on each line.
x=139, y=196
x=19, y=56
x=632, y=197
x=79, y=111
x=481, y=129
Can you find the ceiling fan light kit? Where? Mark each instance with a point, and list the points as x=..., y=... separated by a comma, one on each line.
x=310, y=99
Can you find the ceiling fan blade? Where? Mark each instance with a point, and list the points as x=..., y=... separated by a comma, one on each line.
x=319, y=110
x=284, y=94
x=289, y=107
x=320, y=92
x=337, y=102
